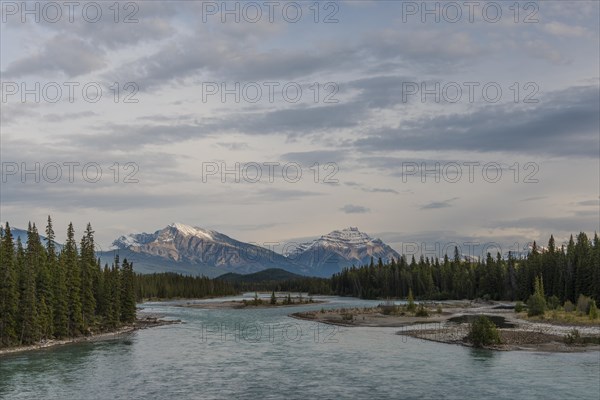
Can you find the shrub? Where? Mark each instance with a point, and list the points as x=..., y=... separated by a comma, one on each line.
x=422, y=311
x=388, y=307
x=519, y=307
x=568, y=306
x=347, y=317
x=573, y=337
x=553, y=302
x=583, y=304
x=483, y=332
x=536, y=305
x=593, y=310
x=411, y=306
x=439, y=309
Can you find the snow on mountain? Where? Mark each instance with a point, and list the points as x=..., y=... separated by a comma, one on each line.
x=196, y=246
x=341, y=248
x=199, y=247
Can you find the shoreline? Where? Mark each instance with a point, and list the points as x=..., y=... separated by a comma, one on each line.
x=451, y=326
x=239, y=305
x=139, y=324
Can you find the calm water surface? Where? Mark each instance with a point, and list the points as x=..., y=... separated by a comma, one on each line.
x=263, y=354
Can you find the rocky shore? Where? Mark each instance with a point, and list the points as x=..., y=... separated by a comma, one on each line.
x=124, y=331
x=450, y=323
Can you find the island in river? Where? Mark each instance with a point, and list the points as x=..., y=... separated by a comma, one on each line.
x=450, y=322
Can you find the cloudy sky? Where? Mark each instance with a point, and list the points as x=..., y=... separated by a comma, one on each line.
x=416, y=122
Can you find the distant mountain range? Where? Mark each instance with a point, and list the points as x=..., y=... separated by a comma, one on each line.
x=338, y=249
x=192, y=250
x=271, y=274
x=22, y=234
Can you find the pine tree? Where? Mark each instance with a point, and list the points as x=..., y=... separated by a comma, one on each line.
x=8, y=289
x=60, y=304
x=43, y=284
x=127, y=293
x=88, y=277
x=70, y=261
x=29, y=324
x=112, y=281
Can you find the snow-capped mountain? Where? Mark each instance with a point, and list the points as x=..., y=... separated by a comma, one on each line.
x=341, y=248
x=202, y=251
x=192, y=250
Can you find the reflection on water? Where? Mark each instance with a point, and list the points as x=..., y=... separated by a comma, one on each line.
x=498, y=320
x=247, y=354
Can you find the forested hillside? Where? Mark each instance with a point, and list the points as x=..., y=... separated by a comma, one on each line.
x=46, y=294
x=566, y=273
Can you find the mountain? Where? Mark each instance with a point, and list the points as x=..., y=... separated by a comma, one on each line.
x=271, y=274
x=197, y=251
x=22, y=234
x=341, y=248
x=191, y=250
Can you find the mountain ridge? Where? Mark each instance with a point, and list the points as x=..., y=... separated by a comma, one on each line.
x=191, y=245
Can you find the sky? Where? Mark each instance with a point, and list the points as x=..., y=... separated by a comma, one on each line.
x=423, y=123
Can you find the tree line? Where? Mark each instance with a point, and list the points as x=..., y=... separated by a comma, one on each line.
x=53, y=292
x=566, y=273
x=170, y=285
x=310, y=285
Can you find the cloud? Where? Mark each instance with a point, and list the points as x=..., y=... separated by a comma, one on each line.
x=593, y=202
x=557, y=225
x=534, y=198
x=439, y=204
x=321, y=157
x=564, y=123
x=234, y=146
x=564, y=30
x=70, y=56
x=540, y=49
x=380, y=190
x=354, y=209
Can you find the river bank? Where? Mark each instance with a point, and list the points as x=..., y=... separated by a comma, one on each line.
x=124, y=331
x=449, y=323
x=235, y=304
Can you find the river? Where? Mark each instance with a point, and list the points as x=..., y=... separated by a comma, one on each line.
x=264, y=354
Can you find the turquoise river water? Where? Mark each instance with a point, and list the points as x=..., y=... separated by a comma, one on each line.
x=264, y=354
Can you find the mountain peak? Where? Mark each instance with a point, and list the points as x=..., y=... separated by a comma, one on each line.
x=188, y=230
x=342, y=248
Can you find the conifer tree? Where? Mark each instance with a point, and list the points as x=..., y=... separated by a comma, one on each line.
x=8, y=289
x=60, y=304
x=127, y=293
x=70, y=262
x=88, y=277
x=28, y=323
